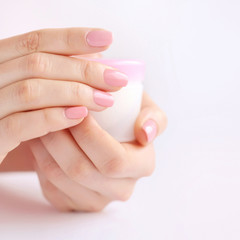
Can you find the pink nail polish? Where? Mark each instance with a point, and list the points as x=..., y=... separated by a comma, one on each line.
x=76, y=112
x=127, y=101
x=115, y=78
x=150, y=129
x=99, y=38
x=102, y=98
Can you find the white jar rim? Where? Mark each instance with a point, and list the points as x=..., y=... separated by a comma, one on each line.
x=134, y=69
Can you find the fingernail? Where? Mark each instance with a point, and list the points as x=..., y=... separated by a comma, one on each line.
x=150, y=129
x=115, y=78
x=102, y=98
x=99, y=38
x=76, y=112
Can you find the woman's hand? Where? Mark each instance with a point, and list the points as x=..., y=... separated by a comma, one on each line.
x=83, y=168
x=43, y=89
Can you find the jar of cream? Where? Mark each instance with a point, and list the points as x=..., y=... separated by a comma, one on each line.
x=119, y=120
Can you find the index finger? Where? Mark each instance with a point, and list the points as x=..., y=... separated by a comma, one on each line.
x=65, y=41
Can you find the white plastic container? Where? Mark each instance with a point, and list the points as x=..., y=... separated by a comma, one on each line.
x=119, y=120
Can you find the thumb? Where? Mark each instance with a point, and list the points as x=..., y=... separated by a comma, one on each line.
x=151, y=121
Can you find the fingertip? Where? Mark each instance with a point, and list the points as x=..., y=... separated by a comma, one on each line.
x=76, y=112
x=150, y=130
x=146, y=132
x=99, y=38
x=149, y=125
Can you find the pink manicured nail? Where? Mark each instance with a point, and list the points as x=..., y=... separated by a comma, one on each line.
x=115, y=78
x=76, y=112
x=102, y=98
x=150, y=129
x=99, y=38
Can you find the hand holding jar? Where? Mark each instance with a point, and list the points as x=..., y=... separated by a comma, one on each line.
x=45, y=124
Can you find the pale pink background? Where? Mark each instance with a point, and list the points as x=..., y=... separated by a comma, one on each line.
x=192, y=51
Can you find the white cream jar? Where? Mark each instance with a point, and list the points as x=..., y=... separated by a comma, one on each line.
x=119, y=120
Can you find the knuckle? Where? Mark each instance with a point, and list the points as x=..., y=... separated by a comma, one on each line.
x=76, y=90
x=50, y=124
x=69, y=38
x=37, y=63
x=29, y=42
x=28, y=91
x=47, y=120
x=114, y=167
x=87, y=70
x=78, y=171
x=11, y=127
x=51, y=171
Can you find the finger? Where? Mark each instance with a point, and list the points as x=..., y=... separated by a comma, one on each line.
x=34, y=94
x=83, y=198
x=57, y=198
x=151, y=121
x=65, y=41
x=111, y=158
x=75, y=164
x=50, y=66
x=60, y=187
x=24, y=126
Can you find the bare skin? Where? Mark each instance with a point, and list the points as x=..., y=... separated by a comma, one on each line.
x=78, y=171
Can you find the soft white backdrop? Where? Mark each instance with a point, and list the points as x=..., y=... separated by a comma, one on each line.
x=192, y=53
